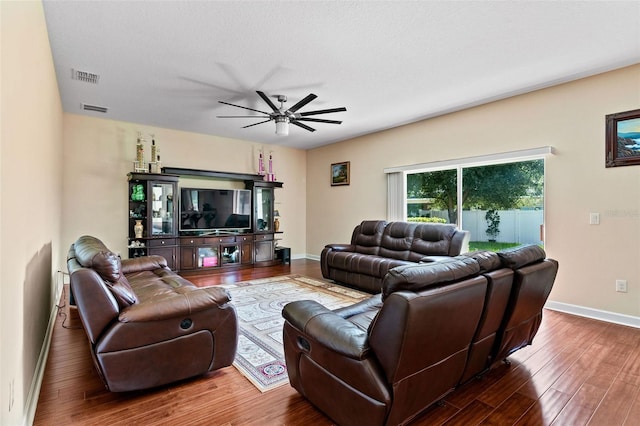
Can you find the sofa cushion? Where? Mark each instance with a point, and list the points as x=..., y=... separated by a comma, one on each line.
x=432, y=239
x=488, y=260
x=396, y=240
x=417, y=277
x=366, y=236
x=375, y=266
x=520, y=256
x=91, y=253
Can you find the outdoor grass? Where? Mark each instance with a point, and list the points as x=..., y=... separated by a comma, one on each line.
x=488, y=245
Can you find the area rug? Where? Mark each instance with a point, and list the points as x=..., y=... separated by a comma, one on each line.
x=259, y=303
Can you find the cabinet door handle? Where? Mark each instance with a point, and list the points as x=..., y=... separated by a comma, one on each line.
x=162, y=242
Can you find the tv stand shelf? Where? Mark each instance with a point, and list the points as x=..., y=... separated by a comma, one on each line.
x=247, y=177
x=198, y=251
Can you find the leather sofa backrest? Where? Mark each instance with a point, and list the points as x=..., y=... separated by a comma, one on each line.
x=421, y=337
x=534, y=276
x=366, y=237
x=396, y=240
x=90, y=290
x=421, y=276
x=432, y=239
x=91, y=253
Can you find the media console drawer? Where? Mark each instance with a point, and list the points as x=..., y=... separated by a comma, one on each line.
x=191, y=241
x=217, y=240
x=263, y=237
x=160, y=242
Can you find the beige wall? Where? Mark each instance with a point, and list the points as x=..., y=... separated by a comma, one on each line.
x=30, y=184
x=98, y=154
x=569, y=117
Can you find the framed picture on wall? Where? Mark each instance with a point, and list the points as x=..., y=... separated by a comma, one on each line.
x=340, y=173
x=623, y=139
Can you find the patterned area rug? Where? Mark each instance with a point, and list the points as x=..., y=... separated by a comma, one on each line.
x=259, y=304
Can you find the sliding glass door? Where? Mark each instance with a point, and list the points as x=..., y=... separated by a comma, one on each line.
x=501, y=205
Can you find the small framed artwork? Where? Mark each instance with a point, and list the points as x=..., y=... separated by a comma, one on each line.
x=340, y=173
x=623, y=139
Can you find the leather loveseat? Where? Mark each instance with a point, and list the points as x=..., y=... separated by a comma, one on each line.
x=146, y=325
x=434, y=326
x=378, y=246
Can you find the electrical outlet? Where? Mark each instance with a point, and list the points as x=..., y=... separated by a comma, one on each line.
x=594, y=218
x=621, y=286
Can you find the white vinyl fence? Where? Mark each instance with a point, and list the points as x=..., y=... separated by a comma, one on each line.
x=516, y=226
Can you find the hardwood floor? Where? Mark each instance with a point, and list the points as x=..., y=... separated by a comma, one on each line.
x=578, y=371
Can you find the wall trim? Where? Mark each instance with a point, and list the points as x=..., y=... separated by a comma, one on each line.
x=31, y=404
x=597, y=314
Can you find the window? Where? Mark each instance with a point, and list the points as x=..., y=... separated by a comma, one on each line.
x=500, y=201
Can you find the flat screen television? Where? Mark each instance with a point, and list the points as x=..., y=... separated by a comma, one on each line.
x=212, y=210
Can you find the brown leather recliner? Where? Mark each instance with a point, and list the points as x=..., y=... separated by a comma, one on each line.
x=534, y=275
x=519, y=282
x=385, y=360
x=146, y=325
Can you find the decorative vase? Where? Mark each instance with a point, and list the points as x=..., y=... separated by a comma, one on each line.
x=138, y=229
x=276, y=224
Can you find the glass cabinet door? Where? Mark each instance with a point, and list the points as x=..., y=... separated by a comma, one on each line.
x=263, y=209
x=162, y=209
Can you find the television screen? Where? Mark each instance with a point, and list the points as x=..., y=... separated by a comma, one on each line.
x=215, y=209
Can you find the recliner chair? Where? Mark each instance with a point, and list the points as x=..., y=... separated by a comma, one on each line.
x=385, y=360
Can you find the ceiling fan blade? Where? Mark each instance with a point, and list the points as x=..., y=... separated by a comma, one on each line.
x=242, y=116
x=319, y=120
x=255, y=124
x=243, y=107
x=302, y=102
x=304, y=126
x=268, y=101
x=322, y=111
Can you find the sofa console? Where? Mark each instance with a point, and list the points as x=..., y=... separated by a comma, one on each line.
x=378, y=246
x=433, y=327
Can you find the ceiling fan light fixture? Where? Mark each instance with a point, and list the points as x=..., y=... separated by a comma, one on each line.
x=282, y=126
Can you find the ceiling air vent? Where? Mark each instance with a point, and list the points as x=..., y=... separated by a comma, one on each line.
x=87, y=77
x=95, y=108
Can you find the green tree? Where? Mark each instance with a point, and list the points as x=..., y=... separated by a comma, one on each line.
x=495, y=187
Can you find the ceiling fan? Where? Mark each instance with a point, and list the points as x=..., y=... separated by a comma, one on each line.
x=283, y=117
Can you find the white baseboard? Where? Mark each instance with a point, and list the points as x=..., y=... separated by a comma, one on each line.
x=308, y=256
x=31, y=404
x=597, y=314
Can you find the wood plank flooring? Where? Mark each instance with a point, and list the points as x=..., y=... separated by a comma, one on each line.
x=577, y=372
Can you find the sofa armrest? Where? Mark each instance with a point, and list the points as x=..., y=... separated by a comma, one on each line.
x=179, y=304
x=341, y=247
x=96, y=305
x=143, y=263
x=459, y=242
x=327, y=328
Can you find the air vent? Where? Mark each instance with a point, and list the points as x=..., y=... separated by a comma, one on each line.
x=87, y=77
x=95, y=108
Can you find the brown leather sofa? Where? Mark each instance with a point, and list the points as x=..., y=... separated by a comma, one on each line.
x=434, y=326
x=146, y=325
x=378, y=246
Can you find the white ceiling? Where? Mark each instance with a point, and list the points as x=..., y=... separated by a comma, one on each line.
x=167, y=64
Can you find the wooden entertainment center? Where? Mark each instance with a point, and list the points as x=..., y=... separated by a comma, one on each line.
x=153, y=224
